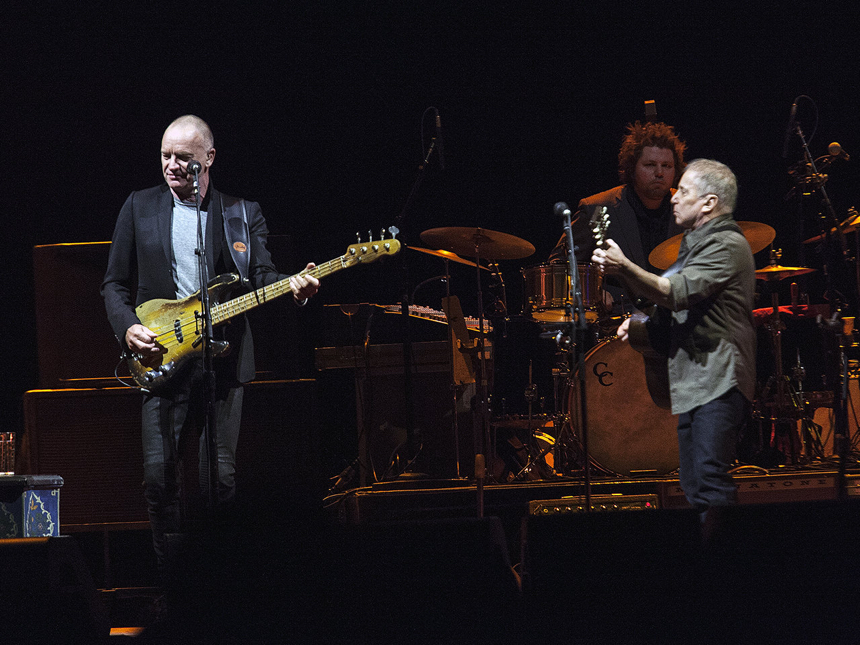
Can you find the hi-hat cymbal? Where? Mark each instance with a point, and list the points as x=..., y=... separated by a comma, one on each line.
x=446, y=255
x=478, y=243
x=757, y=234
x=777, y=272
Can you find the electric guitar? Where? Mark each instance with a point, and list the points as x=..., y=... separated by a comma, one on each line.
x=179, y=327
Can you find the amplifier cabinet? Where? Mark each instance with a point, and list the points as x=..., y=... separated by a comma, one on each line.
x=91, y=438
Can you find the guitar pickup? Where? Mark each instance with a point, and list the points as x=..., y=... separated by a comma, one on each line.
x=177, y=330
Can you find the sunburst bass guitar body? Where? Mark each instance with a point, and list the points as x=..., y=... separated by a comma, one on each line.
x=178, y=324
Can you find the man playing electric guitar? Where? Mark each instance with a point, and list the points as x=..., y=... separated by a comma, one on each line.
x=153, y=256
x=711, y=350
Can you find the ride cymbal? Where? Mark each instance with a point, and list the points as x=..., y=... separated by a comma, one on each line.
x=478, y=243
x=757, y=234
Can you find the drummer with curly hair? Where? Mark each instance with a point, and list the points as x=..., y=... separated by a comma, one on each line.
x=650, y=162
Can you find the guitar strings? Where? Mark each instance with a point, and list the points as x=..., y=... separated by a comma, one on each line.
x=276, y=289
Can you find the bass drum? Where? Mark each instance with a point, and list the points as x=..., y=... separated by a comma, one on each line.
x=627, y=433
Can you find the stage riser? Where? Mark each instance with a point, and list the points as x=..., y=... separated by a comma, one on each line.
x=388, y=502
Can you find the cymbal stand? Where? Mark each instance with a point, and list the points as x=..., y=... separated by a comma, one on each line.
x=785, y=406
x=481, y=421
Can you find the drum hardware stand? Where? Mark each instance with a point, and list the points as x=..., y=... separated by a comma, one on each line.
x=501, y=301
x=786, y=407
x=810, y=435
x=531, y=395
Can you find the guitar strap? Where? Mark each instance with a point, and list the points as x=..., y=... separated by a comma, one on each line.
x=238, y=236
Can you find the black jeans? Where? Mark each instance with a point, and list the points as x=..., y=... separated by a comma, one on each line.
x=168, y=422
x=707, y=441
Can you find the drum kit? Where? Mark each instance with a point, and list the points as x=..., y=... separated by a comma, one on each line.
x=530, y=403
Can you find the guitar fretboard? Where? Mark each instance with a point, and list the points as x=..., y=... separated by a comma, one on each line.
x=246, y=302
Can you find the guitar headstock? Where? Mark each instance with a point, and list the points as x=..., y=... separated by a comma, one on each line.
x=599, y=224
x=370, y=251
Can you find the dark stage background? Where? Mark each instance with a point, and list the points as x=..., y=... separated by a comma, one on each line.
x=317, y=114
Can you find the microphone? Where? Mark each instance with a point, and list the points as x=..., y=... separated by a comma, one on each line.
x=193, y=167
x=439, y=141
x=836, y=150
x=789, y=129
x=561, y=210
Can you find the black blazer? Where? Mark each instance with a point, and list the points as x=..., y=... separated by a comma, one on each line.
x=140, y=266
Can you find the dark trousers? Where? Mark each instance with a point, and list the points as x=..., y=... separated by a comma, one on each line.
x=707, y=441
x=168, y=422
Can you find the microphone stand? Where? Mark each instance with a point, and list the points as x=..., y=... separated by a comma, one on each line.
x=404, y=307
x=578, y=329
x=210, y=428
x=841, y=432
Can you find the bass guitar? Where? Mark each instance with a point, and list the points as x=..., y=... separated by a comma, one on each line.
x=178, y=324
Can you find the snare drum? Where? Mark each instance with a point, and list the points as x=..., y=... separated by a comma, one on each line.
x=547, y=291
x=627, y=433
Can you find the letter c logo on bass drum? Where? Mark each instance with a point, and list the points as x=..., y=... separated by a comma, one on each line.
x=602, y=374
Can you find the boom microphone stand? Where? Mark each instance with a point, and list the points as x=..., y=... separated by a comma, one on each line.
x=841, y=434
x=404, y=302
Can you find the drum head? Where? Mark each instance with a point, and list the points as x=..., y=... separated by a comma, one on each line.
x=627, y=433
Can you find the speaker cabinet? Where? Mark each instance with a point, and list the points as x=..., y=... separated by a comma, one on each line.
x=91, y=438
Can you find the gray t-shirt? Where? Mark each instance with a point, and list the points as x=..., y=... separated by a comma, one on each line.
x=184, y=239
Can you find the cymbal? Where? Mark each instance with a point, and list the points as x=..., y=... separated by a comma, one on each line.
x=446, y=255
x=777, y=272
x=757, y=234
x=849, y=225
x=478, y=243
